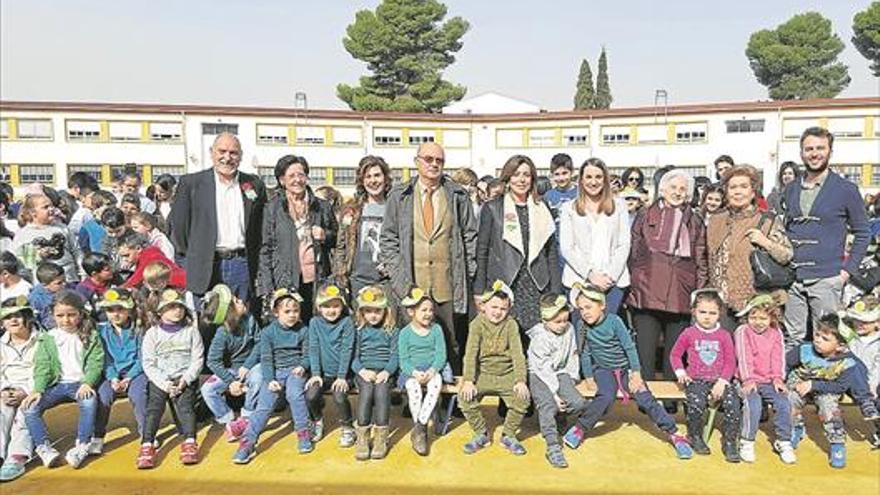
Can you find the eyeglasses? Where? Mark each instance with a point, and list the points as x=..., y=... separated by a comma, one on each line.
x=632, y=179
x=431, y=160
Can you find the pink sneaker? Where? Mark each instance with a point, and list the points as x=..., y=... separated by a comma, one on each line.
x=235, y=429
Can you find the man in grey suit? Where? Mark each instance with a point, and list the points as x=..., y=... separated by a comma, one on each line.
x=216, y=222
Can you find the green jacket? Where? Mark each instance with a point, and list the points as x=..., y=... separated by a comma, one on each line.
x=47, y=364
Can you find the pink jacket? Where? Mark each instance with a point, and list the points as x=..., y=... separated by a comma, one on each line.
x=760, y=357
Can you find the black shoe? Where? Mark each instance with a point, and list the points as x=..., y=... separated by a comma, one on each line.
x=731, y=452
x=698, y=445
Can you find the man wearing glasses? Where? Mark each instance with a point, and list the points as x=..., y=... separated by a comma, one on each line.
x=429, y=239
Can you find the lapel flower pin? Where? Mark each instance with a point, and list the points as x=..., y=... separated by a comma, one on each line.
x=248, y=190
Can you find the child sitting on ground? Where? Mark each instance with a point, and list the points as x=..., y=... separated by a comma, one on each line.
x=823, y=370
x=554, y=370
x=761, y=372
x=494, y=365
x=711, y=362
x=610, y=362
x=864, y=317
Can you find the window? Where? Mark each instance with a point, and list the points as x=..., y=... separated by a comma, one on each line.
x=692, y=170
x=309, y=135
x=387, y=137
x=850, y=127
x=125, y=131
x=509, y=138
x=92, y=170
x=740, y=126
x=5, y=174
x=116, y=171
x=852, y=173
x=317, y=176
x=419, y=136
x=81, y=130
x=346, y=136
x=217, y=129
x=4, y=128
x=542, y=138
x=576, y=136
x=173, y=170
x=39, y=174
x=167, y=131
x=690, y=133
x=344, y=176
x=792, y=128
x=615, y=135
x=35, y=129
x=271, y=134
x=267, y=175
x=652, y=134
x=456, y=138
x=875, y=176
x=397, y=175
x=876, y=126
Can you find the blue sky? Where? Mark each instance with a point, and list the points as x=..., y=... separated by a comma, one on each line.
x=261, y=52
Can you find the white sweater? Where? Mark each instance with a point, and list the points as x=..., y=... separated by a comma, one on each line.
x=599, y=243
x=167, y=356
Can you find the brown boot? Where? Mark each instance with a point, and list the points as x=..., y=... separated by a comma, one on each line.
x=362, y=444
x=380, y=443
x=419, y=437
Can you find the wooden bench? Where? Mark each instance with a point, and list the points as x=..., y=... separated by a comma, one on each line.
x=662, y=389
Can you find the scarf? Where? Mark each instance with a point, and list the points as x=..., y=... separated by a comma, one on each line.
x=668, y=232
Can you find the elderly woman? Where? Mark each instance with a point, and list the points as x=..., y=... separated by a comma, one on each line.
x=357, y=248
x=667, y=262
x=732, y=236
x=788, y=172
x=299, y=232
x=594, y=235
x=516, y=243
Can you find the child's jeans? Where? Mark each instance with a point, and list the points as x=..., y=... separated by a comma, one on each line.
x=547, y=407
x=214, y=388
x=315, y=401
x=137, y=394
x=57, y=394
x=752, y=412
x=294, y=392
x=501, y=386
x=608, y=382
x=374, y=401
x=15, y=440
x=183, y=403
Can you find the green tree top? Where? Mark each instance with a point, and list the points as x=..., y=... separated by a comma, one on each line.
x=583, y=97
x=866, y=37
x=406, y=49
x=798, y=59
x=603, y=97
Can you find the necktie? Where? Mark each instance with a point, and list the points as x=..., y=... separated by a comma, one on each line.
x=428, y=211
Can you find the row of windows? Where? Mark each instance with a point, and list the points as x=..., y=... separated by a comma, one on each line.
x=93, y=130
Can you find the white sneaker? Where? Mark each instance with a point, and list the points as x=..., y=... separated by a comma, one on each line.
x=747, y=450
x=785, y=451
x=96, y=446
x=48, y=455
x=77, y=455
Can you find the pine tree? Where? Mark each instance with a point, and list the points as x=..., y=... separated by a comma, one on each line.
x=583, y=97
x=603, y=97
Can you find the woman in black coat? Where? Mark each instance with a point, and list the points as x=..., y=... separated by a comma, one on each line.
x=516, y=243
x=299, y=233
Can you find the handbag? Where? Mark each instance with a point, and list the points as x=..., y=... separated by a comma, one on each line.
x=768, y=274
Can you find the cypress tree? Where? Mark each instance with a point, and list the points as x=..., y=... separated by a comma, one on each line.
x=583, y=97
x=603, y=97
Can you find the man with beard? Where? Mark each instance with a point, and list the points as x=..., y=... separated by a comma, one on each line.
x=216, y=222
x=820, y=208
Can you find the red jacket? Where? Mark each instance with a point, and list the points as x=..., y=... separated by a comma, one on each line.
x=148, y=255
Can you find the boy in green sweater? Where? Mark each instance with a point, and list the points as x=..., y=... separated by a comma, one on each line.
x=494, y=364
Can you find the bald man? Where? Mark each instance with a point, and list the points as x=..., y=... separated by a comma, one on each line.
x=429, y=239
x=216, y=222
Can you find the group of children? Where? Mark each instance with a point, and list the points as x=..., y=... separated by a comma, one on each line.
x=148, y=346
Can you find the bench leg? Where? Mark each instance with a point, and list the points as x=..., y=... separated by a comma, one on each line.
x=442, y=426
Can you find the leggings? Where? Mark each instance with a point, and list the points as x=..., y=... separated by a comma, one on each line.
x=374, y=402
x=422, y=407
x=315, y=401
x=650, y=325
x=185, y=405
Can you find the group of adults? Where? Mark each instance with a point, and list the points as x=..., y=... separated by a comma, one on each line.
x=427, y=232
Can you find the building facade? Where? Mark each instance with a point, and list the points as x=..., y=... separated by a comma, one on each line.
x=46, y=142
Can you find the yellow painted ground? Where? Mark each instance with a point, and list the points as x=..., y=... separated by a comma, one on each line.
x=620, y=457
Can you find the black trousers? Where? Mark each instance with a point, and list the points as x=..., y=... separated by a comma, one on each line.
x=315, y=402
x=184, y=404
x=374, y=402
x=651, y=328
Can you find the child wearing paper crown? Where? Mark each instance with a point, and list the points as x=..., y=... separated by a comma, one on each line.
x=422, y=351
x=122, y=335
x=554, y=370
x=494, y=364
x=609, y=361
x=18, y=348
x=331, y=343
x=375, y=363
x=284, y=365
x=233, y=357
x=863, y=316
x=761, y=372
